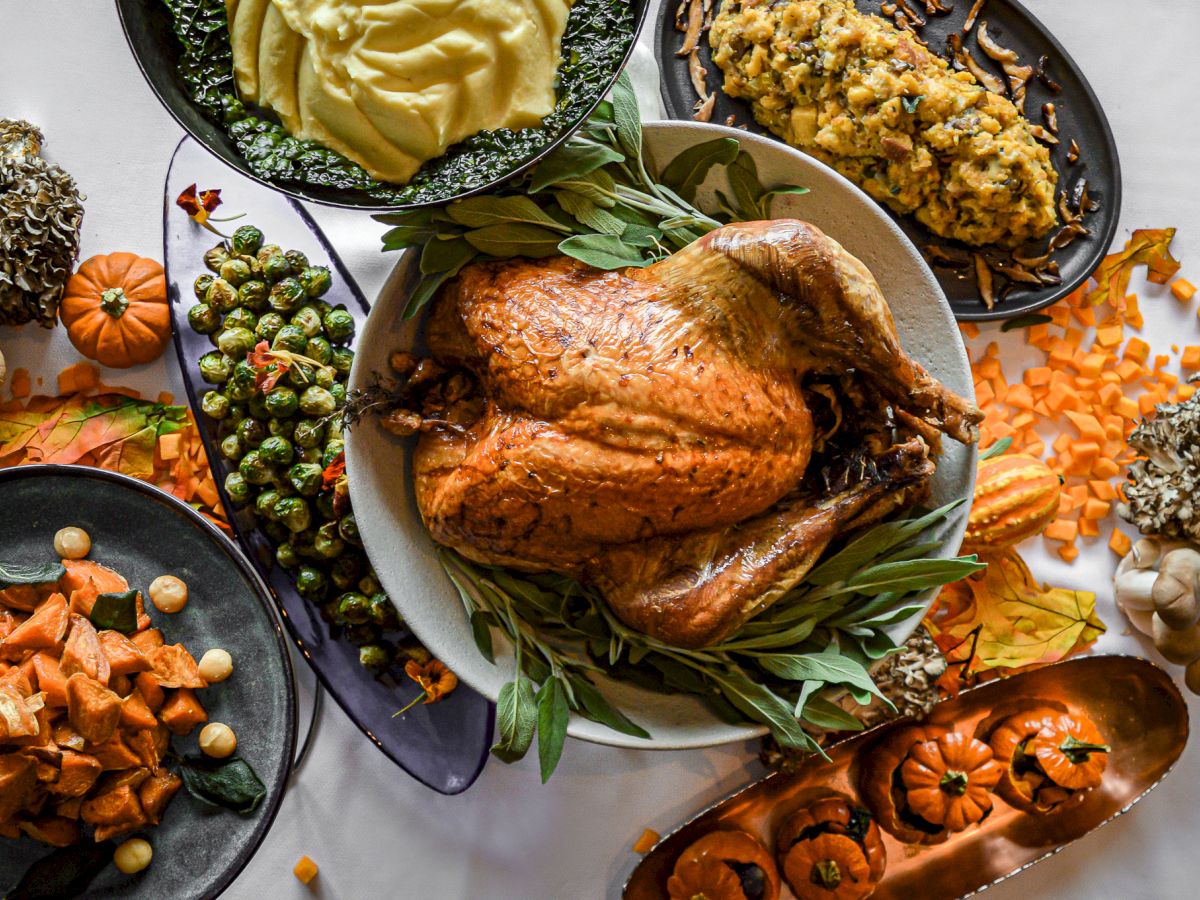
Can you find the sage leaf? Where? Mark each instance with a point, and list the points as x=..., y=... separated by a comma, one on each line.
x=831, y=668
x=228, y=783
x=604, y=251
x=553, y=716
x=12, y=573
x=441, y=255
x=765, y=201
x=403, y=236
x=826, y=714
x=481, y=632
x=912, y=575
x=516, y=720
x=761, y=704
x=597, y=186
x=117, y=612
x=483, y=210
x=596, y=708
x=747, y=189
x=514, y=239
x=642, y=236
x=687, y=171
x=627, y=116
x=63, y=873
x=589, y=214
x=571, y=161
x=996, y=448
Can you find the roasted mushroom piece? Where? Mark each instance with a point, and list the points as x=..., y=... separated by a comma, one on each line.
x=831, y=850
x=725, y=865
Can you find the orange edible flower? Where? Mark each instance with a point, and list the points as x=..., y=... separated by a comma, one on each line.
x=333, y=472
x=269, y=367
x=435, y=679
x=198, y=206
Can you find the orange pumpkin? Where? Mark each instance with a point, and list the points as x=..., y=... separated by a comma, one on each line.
x=950, y=780
x=115, y=310
x=1016, y=497
x=831, y=850
x=1024, y=785
x=883, y=790
x=1071, y=751
x=725, y=865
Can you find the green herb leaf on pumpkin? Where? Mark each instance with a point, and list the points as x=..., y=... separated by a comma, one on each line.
x=231, y=783
x=13, y=573
x=116, y=611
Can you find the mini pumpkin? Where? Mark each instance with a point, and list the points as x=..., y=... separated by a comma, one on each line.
x=1023, y=784
x=831, y=850
x=1071, y=751
x=949, y=780
x=886, y=796
x=725, y=865
x=115, y=310
x=1016, y=497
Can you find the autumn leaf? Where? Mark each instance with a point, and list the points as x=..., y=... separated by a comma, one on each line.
x=1019, y=622
x=1150, y=247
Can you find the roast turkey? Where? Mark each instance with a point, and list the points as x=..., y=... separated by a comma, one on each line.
x=688, y=437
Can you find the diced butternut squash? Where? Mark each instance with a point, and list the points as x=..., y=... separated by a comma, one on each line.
x=20, y=596
x=114, y=755
x=92, y=709
x=42, y=630
x=113, y=812
x=83, y=653
x=1119, y=543
x=123, y=655
x=182, y=712
x=135, y=713
x=148, y=640
x=77, y=773
x=1068, y=552
x=151, y=692
x=18, y=781
x=51, y=681
x=156, y=792
x=173, y=667
x=53, y=830
x=80, y=570
x=1183, y=290
x=1062, y=530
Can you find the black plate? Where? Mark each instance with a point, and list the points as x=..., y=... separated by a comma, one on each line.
x=142, y=533
x=443, y=745
x=1079, y=116
x=147, y=26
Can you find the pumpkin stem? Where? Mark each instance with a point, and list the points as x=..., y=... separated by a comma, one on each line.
x=1078, y=751
x=954, y=782
x=826, y=874
x=114, y=302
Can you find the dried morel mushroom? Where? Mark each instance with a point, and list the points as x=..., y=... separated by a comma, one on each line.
x=40, y=215
x=1161, y=494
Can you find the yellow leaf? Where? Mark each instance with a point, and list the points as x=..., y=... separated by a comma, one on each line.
x=1019, y=622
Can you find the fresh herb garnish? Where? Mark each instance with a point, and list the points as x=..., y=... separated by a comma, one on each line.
x=12, y=574
x=116, y=611
x=824, y=633
x=594, y=199
x=230, y=783
x=1026, y=321
x=63, y=873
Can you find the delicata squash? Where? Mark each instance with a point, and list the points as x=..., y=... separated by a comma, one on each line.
x=725, y=865
x=831, y=850
x=924, y=783
x=1048, y=756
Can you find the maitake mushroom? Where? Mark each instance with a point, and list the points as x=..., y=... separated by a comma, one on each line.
x=1157, y=586
x=40, y=215
x=1161, y=494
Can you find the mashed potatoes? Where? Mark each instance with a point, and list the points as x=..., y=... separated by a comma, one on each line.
x=393, y=83
x=863, y=97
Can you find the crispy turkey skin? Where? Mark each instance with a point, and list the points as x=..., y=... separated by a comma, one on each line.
x=653, y=431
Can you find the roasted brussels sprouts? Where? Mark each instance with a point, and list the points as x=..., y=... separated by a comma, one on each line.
x=324, y=376
x=257, y=407
x=327, y=544
x=325, y=507
x=203, y=319
x=215, y=405
x=318, y=349
x=277, y=451
x=373, y=657
x=294, y=513
x=216, y=367
x=316, y=280
x=310, y=455
x=282, y=401
x=268, y=326
x=222, y=296
x=264, y=503
x=353, y=608
x=216, y=256
x=286, y=295
x=241, y=317
x=348, y=529
x=246, y=239
x=343, y=359
x=334, y=448
x=276, y=267
x=236, y=341
x=235, y=271
x=339, y=325
x=317, y=401
x=297, y=260
x=282, y=427
x=370, y=585
x=241, y=385
x=307, y=319
x=238, y=489
x=201, y=285
x=311, y=583
x=346, y=571
x=290, y=338
x=251, y=433
x=266, y=251
x=338, y=391
x=383, y=613
x=255, y=468
x=287, y=556
x=231, y=447
x=254, y=295
x=309, y=433
x=305, y=478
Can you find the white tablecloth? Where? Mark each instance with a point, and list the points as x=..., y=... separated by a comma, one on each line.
x=375, y=832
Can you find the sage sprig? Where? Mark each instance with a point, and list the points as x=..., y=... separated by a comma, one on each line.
x=596, y=198
x=777, y=670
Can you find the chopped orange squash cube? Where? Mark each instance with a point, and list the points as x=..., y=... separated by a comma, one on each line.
x=306, y=870
x=1062, y=530
x=1183, y=290
x=1119, y=543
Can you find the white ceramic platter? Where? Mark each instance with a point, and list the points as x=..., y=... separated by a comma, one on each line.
x=379, y=464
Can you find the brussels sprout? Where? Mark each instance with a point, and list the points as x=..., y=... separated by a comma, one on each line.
x=305, y=478
x=201, y=285
x=221, y=295
x=297, y=260
x=348, y=529
x=346, y=571
x=282, y=427
x=369, y=584
x=203, y=319
x=246, y=239
x=216, y=257
x=412, y=650
x=320, y=306
x=215, y=405
x=251, y=433
x=324, y=376
x=317, y=401
x=327, y=543
x=254, y=295
x=237, y=488
x=241, y=384
x=334, y=448
x=325, y=507
x=360, y=635
x=307, y=319
x=268, y=326
x=316, y=280
x=373, y=657
x=311, y=583
x=264, y=504
x=287, y=556
x=343, y=359
x=235, y=271
x=216, y=367
x=339, y=394
x=241, y=317
x=318, y=349
x=290, y=338
x=339, y=326
x=276, y=267
x=257, y=407
x=310, y=455
x=277, y=534
x=286, y=295
x=353, y=608
x=309, y=433
x=277, y=451
x=294, y=513
x=236, y=341
x=383, y=613
x=303, y=540
x=266, y=251
x=231, y=447
x=255, y=468
x=281, y=402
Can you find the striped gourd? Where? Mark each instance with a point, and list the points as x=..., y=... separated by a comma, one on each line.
x=1016, y=497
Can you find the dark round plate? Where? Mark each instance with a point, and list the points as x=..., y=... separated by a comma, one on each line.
x=142, y=533
x=1080, y=116
x=148, y=29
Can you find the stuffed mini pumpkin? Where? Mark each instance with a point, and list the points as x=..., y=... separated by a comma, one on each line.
x=115, y=310
x=1049, y=758
x=831, y=850
x=725, y=865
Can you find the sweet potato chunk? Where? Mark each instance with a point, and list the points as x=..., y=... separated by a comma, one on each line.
x=92, y=709
x=151, y=692
x=18, y=779
x=135, y=714
x=114, y=755
x=182, y=712
x=124, y=656
x=18, y=716
x=69, y=808
x=83, y=652
x=9, y=620
x=148, y=639
x=53, y=830
x=65, y=735
x=20, y=596
x=113, y=811
x=80, y=570
x=173, y=667
x=145, y=746
x=44, y=629
x=50, y=679
x=156, y=792
x=77, y=773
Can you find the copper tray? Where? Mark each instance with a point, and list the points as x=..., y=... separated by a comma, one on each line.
x=1134, y=703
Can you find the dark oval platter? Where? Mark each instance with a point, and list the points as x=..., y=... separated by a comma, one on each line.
x=1080, y=117
x=142, y=533
x=443, y=745
x=148, y=29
